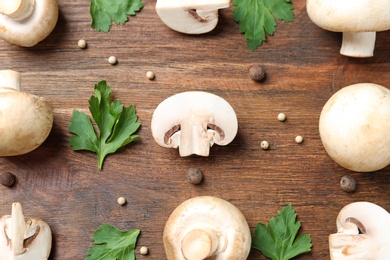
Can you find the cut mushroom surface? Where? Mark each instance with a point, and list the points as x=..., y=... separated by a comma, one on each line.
x=354, y=127
x=357, y=20
x=25, y=119
x=27, y=22
x=362, y=233
x=206, y=227
x=189, y=16
x=23, y=238
x=194, y=121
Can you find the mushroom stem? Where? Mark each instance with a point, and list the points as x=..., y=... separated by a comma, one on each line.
x=18, y=9
x=358, y=44
x=18, y=229
x=9, y=79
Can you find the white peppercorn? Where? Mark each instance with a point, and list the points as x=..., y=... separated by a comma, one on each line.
x=143, y=250
x=112, y=60
x=298, y=139
x=121, y=201
x=150, y=75
x=82, y=44
x=264, y=145
x=281, y=117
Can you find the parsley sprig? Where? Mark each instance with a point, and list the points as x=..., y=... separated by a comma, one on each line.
x=257, y=18
x=116, y=125
x=279, y=239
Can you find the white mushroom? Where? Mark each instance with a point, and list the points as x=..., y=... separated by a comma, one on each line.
x=24, y=238
x=362, y=233
x=206, y=227
x=194, y=121
x=190, y=16
x=27, y=22
x=354, y=127
x=357, y=20
x=25, y=119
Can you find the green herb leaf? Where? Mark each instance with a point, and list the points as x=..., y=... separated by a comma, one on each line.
x=257, y=18
x=115, y=122
x=112, y=244
x=104, y=12
x=278, y=238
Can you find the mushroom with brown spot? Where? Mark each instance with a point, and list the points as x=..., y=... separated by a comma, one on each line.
x=194, y=121
x=27, y=22
x=206, y=227
x=25, y=119
x=24, y=238
x=357, y=20
x=362, y=233
x=189, y=16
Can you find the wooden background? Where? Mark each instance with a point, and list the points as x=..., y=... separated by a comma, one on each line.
x=304, y=68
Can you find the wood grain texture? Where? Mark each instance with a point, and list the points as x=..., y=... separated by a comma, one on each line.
x=304, y=68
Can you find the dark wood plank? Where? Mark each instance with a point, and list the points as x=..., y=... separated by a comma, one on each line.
x=304, y=68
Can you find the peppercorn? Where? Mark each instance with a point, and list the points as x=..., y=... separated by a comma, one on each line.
x=257, y=73
x=347, y=183
x=150, y=75
x=264, y=145
x=121, y=201
x=194, y=175
x=7, y=179
x=82, y=44
x=298, y=139
x=144, y=250
x=281, y=117
x=112, y=60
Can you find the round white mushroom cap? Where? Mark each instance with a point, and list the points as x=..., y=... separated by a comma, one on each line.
x=354, y=127
x=194, y=121
x=207, y=227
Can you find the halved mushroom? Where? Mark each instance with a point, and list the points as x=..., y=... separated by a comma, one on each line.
x=357, y=20
x=354, y=127
x=207, y=227
x=27, y=22
x=190, y=16
x=194, y=121
x=25, y=119
x=362, y=233
x=24, y=238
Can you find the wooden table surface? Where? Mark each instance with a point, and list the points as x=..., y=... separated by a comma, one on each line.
x=304, y=68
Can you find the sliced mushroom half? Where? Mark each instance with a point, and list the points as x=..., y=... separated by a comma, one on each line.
x=362, y=233
x=24, y=238
x=194, y=121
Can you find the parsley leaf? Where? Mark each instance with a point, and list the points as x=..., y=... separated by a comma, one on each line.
x=104, y=12
x=257, y=18
x=115, y=122
x=278, y=238
x=112, y=244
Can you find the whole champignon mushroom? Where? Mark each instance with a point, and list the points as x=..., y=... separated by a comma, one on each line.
x=25, y=119
x=354, y=127
x=206, y=227
x=24, y=238
x=357, y=20
x=27, y=22
x=190, y=16
x=362, y=233
x=194, y=121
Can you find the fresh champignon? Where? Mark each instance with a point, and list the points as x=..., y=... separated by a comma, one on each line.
x=194, y=121
x=357, y=20
x=190, y=16
x=206, y=227
x=27, y=22
x=362, y=233
x=24, y=238
x=25, y=119
x=354, y=127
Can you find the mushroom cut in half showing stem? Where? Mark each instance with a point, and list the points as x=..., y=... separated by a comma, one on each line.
x=24, y=238
x=27, y=22
x=194, y=121
x=354, y=127
x=190, y=16
x=362, y=233
x=207, y=227
x=357, y=20
x=25, y=119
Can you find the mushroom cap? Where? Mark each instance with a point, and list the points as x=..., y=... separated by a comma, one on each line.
x=354, y=127
x=350, y=15
x=194, y=118
x=184, y=230
x=25, y=121
x=188, y=16
x=30, y=30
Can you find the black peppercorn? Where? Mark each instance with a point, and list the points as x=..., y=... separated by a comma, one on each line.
x=7, y=179
x=194, y=175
